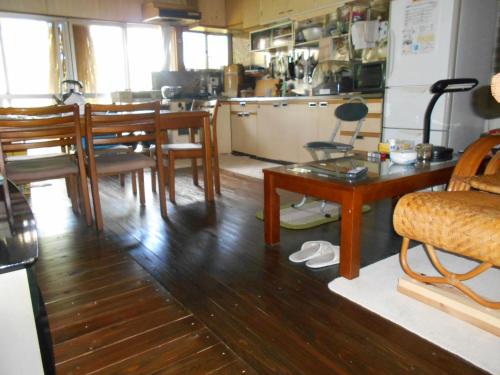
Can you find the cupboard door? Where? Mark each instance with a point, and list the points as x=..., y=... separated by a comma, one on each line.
x=273, y=11
x=303, y=117
x=327, y=121
x=224, y=128
x=251, y=13
x=213, y=13
x=234, y=14
x=244, y=128
x=277, y=133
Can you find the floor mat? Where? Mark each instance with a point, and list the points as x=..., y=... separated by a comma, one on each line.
x=309, y=215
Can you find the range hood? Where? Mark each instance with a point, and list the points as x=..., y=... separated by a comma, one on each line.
x=173, y=14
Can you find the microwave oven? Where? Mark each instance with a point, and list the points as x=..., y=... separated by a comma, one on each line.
x=369, y=77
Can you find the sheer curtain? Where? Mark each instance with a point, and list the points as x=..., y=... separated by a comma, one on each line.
x=55, y=68
x=85, y=57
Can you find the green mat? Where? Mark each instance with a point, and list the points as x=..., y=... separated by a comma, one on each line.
x=309, y=215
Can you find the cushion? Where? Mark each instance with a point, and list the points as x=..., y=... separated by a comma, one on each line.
x=462, y=222
x=118, y=163
x=41, y=168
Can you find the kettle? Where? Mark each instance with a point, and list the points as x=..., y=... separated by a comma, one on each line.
x=73, y=92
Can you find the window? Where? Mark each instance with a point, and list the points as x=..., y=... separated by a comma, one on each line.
x=30, y=61
x=117, y=57
x=146, y=54
x=109, y=58
x=205, y=51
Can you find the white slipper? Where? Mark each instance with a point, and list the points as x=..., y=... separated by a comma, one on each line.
x=328, y=258
x=310, y=250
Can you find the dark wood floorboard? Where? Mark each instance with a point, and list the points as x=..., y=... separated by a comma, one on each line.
x=201, y=293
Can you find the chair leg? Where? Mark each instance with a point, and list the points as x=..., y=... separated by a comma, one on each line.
x=68, y=187
x=153, y=179
x=73, y=192
x=216, y=172
x=171, y=176
x=194, y=167
x=84, y=200
x=142, y=197
x=122, y=180
x=97, y=202
x=134, y=183
x=301, y=203
x=448, y=277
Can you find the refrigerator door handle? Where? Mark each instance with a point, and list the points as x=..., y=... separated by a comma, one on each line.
x=391, y=57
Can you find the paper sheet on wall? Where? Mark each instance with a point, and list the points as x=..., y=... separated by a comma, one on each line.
x=419, y=32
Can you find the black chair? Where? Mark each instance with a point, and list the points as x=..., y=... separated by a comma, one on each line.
x=353, y=110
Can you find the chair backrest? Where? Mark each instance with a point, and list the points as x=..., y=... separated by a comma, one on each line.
x=354, y=109
x=210, y=106
x=22, y=129
x=472, y=160
x=110, y=124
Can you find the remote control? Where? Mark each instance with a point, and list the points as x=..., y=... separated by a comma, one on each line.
x=356, y=172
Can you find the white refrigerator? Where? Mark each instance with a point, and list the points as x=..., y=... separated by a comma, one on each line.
x=431, y=40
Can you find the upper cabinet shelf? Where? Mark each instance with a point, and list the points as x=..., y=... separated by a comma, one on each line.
x=279, y=36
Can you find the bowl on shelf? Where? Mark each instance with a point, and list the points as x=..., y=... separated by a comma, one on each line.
x=403, y=157
x=312, y=33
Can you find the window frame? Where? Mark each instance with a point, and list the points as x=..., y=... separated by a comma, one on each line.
x=56, y=20
x=123, y=26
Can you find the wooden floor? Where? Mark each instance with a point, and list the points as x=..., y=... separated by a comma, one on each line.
x=200, y=293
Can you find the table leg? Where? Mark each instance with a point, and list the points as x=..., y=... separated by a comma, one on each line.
x=350, y=237
x=271, y=211
x=207, y=149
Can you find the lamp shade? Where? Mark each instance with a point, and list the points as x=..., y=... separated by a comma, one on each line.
x=495, y=87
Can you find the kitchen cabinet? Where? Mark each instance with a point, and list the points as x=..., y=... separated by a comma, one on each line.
x=244, y=128
x=213, y=13
x=224, y=128
x=276, y=138
x=234, y=14
x=251, y=13
x=278, y=130
x=273, y=11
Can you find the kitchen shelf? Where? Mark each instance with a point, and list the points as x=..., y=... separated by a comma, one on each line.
x=272, y=38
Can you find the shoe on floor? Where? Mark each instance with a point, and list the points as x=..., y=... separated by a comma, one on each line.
x=329, y=258
x=310, y=250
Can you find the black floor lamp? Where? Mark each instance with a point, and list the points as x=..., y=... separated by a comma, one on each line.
x=439, y=88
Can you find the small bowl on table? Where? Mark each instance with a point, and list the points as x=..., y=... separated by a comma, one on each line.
x=403, y=157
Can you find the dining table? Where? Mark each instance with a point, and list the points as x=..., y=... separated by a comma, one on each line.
x=191, y=120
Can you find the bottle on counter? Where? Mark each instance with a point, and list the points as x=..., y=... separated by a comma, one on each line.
x=284, y=88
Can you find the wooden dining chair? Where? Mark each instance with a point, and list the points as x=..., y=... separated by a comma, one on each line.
x=118, y=124
x=23, y=129
x=192, y=150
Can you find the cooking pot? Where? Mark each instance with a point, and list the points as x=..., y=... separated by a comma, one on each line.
x=171, y=92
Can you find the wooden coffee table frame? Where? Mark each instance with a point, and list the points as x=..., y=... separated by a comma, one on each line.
x=350, y=196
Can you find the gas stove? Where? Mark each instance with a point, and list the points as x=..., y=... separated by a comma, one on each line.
x=182, y=103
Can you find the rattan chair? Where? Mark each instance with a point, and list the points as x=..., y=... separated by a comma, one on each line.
x=23, y=129
x=465, y=220
x=116, y=124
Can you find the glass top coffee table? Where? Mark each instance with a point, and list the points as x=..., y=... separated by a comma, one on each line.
x=328, y=180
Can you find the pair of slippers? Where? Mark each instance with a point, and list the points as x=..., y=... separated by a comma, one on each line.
x=316, y=254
